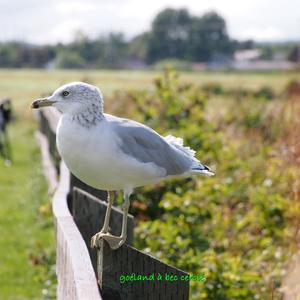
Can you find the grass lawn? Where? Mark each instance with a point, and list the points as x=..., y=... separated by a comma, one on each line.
x=23, y=85
x=25, y=233
x=26, y=230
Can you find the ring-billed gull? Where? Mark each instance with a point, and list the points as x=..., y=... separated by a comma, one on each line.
x=111, y=153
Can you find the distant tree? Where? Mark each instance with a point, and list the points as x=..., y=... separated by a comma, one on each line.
x=66, y=59
x=86, y=48
x=243, y=45
x=115, y=51
x=174, y=34
x=35, y=57
x=18, y=55
x=208, y=37
x=169, y=34
x=294, y=54
x=8, y=55
x=267, y=53
x=138, y=46
x=106, y=52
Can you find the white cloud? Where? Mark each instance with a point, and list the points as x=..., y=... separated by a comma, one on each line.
x=262, y=34
x=74, y=6
x=63, y=32
x=55, y=20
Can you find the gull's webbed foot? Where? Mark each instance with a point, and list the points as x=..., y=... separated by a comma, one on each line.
x=114, y=241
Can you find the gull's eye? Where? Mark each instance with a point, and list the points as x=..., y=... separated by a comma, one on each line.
x=65, y=93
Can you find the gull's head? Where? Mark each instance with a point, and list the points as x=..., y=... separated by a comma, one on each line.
x=73, y=98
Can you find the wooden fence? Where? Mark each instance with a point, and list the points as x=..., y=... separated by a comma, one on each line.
x=85, y=273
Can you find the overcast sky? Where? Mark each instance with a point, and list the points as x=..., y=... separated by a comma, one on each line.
x=50, y=21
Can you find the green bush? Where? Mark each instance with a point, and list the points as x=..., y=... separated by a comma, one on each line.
x=264, y=92
x=69, y=60
x=180, y=65
x=213, y=88
x=234, y=227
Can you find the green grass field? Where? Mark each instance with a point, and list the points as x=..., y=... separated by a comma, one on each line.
x=25, y=85
x=25, y=226
x=25, y=233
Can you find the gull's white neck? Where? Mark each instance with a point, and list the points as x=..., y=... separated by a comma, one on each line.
x=88, y=117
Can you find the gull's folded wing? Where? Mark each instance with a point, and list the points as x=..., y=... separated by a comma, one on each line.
x=145, y=145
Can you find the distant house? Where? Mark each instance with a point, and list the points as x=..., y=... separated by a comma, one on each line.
x=250, y=60
x=247, y=55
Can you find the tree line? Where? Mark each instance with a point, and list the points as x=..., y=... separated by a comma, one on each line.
x=174, y=33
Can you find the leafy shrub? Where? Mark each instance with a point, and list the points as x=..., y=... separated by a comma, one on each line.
x=69, y=60
x=234, y=227
x=213, y=88
x=264, y=92
x=180, y=65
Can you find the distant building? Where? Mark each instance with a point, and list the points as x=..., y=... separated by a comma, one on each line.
x=247, y=55
x=250, y=60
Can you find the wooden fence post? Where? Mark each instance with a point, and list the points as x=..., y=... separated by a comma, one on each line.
x=89, y=213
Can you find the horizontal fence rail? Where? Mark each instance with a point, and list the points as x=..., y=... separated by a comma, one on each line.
x=125, y=273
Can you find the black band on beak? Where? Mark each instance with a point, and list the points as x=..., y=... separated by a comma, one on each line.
x=41, y=103
x=35, y=104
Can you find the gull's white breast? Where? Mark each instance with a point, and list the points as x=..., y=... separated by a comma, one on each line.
x=92, y=154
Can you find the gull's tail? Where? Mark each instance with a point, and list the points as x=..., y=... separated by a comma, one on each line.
x=197, y=166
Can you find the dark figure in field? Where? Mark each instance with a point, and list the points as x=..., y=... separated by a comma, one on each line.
x=5, y=118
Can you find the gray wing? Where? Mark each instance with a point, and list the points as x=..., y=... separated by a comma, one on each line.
x=145, y=145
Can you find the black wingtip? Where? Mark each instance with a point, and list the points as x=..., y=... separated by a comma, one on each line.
x=202, y=168
x=207, y=168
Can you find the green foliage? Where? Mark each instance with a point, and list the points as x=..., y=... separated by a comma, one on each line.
x=267, y=53
x=169, y=35
x=180, y=65
x=234, y=227
x=239, y=152
x=265, y=92
x=213, y=88
x=177, y=34
x=16, y=55
x=69, y=60
x=208, y=38
x=138, y=46
x=27, y=252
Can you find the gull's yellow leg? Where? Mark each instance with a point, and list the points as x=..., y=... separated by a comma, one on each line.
x=114, y=241
x=110, y=200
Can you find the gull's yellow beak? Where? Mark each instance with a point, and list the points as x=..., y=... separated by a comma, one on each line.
x=42, y=103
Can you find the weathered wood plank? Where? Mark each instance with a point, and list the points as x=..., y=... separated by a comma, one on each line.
x=89, y=213
x=75, y=182
x=48, y=166
x=48, y=120
x=76, y=277
x=128, y=261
